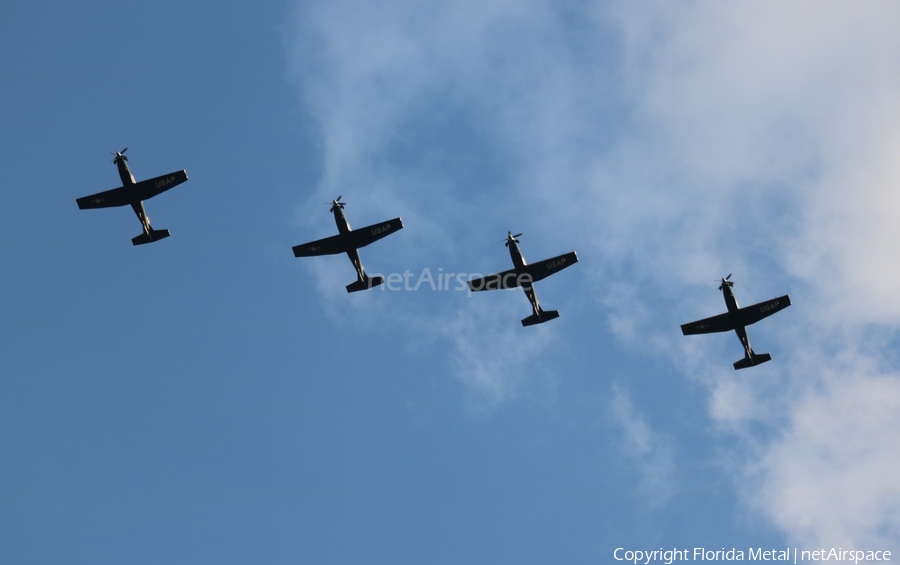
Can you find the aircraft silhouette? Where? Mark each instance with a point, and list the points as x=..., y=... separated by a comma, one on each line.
x=349, y=241
x=738, y=319
x=134, y=193
x=524, y=275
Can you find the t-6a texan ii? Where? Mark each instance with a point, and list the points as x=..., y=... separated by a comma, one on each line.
x=134, y=193
x=738, y=319
x=348, y=241
x=524, y=275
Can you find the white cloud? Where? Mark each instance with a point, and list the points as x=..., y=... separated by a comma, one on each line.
x=778, y=123
x=830, y=479
x=681, y=141
x=651, y=453
x=496, y=358
x=368, y=73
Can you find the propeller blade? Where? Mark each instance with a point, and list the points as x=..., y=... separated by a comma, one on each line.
x=517, y=235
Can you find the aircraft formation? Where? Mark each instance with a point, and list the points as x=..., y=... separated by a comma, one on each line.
x=349, y=241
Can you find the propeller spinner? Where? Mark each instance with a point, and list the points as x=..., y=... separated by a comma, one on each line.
x=120, y=155
x=337, y=202
x=726, y=281
x=511, y=237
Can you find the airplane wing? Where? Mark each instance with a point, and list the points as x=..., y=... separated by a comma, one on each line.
x=147, y=189
x=362, y=237
x=108, y=199
x=543, y=269
x=344, y=242
x=506, y=279
x=752, y=314
x=123, y=196
x=526, y=275
x=327, y=246
x=721, y=323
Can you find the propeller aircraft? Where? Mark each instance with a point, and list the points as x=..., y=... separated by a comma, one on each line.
x=738, y=319
x=349, y=241
x=524, y=275
x=134, y=193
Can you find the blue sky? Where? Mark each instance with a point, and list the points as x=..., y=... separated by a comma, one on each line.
x=211, y=399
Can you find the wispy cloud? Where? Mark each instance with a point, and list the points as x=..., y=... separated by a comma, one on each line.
x=681, y=142
x=651, y=453
x=497, y=359
x=830, y=478
x=775, y=121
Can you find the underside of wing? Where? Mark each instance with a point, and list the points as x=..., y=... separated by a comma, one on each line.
x=505, y=280
x=721, y=323
x=528, y=274
x=328, y=246
x=543, y=269
x=752, y=314
x=147, y=189
x=364, y=236
x=108, y=199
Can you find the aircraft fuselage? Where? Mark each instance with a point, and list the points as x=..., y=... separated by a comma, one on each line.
x=732, y=304
x=518, y=262
x=129, y=182
x=343, y=227
x=515, y=253
x=730, y=300
x=124, y=171
x=340, y=220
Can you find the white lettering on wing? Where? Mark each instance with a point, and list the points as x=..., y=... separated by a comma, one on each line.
x=165, y=182
x=554, y=264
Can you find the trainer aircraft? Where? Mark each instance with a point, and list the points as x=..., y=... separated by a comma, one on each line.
x=523, y=274
x=349, y=241
x=738, y=319
x=134, y=193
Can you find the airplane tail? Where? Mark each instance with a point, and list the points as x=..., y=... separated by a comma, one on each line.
x=365, y=283
x=752, y=360
x=539, y=318
x=154, y=235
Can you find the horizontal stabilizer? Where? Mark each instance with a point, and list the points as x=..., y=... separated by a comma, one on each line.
x=365, y=284
x=154, y=235
x=540, y=317
x=754, y=359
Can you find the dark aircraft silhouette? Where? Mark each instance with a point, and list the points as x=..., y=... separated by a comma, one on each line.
x=524, y=275
x=737, y=319
x=134, y=193
x=348, y=241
